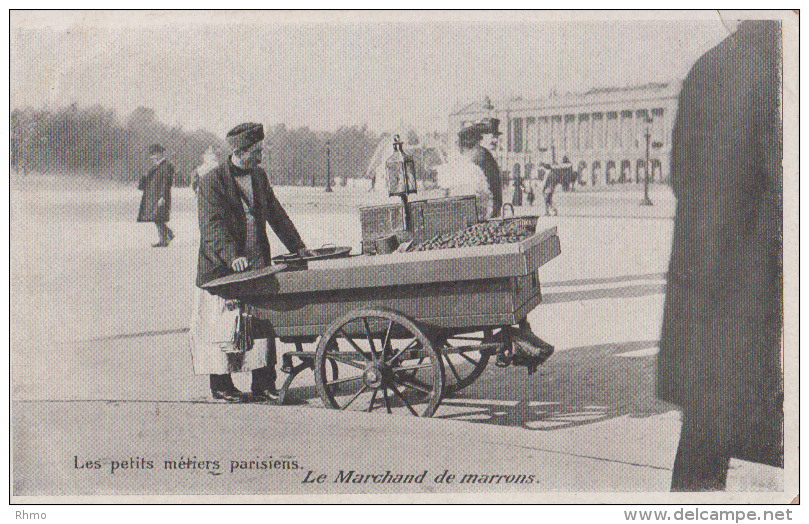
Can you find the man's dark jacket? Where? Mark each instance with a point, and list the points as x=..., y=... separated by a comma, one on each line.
x=156, y=184
x=484, y=159
x=223, y=226
x=720, y=351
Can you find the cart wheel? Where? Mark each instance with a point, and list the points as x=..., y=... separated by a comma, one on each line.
x=464, y=361
x=384, y=360
x=293, y=374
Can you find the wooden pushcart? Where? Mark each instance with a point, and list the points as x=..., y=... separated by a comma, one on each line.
x=401, y=330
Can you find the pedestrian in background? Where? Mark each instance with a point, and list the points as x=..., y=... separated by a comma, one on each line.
x=720, y=350
x=551, y=181
x=155, y=205
x=531, y=196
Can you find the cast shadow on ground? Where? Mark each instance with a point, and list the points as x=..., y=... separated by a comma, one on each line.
x=627, y=291
x=605, y=280
x=547, y=298
x=578, y=386
x=125, y=336
x=595, y=294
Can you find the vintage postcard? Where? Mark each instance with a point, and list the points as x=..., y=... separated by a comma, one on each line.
x=407, y=256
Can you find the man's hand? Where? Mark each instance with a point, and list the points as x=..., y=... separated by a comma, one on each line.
x=305, y=253
x=231, y=304
x=160, y=202
x=240, y=264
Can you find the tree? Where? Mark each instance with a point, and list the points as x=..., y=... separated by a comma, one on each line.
x=93, y=141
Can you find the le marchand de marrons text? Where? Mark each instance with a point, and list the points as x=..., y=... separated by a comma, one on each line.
x=444, y=477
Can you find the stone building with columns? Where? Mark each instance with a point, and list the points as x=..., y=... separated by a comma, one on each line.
x=603, y=132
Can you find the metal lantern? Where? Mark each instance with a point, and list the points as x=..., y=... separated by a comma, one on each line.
x=401, y=171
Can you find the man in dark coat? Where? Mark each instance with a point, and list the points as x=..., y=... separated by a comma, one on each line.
x=482, y=156
x=155, y=205
x=552, y=179
x=235, y=204
x=720, y=351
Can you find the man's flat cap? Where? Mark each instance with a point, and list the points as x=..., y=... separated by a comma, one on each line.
x=245, y=135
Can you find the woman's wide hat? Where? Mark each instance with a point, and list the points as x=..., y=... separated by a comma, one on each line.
x=492, y=125
x=473, y=132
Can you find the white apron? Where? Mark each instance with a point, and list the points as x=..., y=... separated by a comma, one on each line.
x=211, y=347
x=206, y=340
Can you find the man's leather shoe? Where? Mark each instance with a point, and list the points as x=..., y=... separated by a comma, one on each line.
x=233, y=397
x=267, y=395
x=160, y=244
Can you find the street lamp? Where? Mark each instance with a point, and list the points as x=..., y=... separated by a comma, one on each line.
x=516, y=198
x=328, y=166
x=646, y=200
x=509, y=136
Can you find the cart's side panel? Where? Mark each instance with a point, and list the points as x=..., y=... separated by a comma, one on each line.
x=526, y=308
x=538, y=254
x=398, y=269
x=458, y=324
x=448, y=265
x=525, y=289
x=448, y=305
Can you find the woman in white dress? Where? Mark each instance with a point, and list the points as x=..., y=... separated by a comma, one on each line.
x=462, y=177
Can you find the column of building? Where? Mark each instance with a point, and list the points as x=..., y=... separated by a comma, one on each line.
x=606, y=144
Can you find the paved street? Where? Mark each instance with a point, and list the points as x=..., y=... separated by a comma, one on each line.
x=101, y=368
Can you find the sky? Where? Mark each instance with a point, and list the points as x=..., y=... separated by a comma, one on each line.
x=213, y=71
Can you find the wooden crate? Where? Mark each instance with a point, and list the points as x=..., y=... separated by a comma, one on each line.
x=440, y=216
x=429, y=218
x=376, y=221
